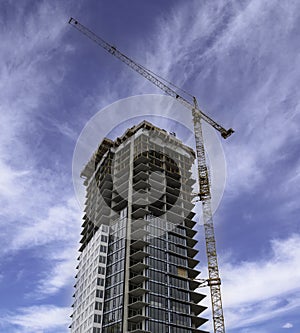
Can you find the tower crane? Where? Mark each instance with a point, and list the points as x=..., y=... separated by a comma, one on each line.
x=213, y=281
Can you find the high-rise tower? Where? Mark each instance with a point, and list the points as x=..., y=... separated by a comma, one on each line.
x=136, y=270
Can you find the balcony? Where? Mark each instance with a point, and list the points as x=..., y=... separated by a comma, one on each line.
x=137, y=318
x=174, y=218
x=141, y=159
x=198, y=321
x=156, y=211
x=139, y=234
x=191, y=252
x=140, y=175
x=138, y=279
x=139, y=255
x=192, y=262
x=106, y=193
x=141, y=185
x=121, y=204
x=139, y=224
x=195, y=330
x=189, y=223
x=172, y=195
x=138, y=266
x=194, y=284
x=141, y=167
x=192, y=273
x=190, y=232
x=196, y=297
x=197, y=309
x=106, y=184
x=139, y=244
x=140, y=213
x=138, y=305
x=191, y=242
x=137, y=292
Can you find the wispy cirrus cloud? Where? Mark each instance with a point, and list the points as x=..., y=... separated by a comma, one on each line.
x=38, y=207
x=60, y=224
x=28, y=78
x=60, y=275
x=54, y=238
x=37, y=319
x=257, y=291
x=238, y=44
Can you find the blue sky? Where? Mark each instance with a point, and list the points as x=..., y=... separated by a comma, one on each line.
x=240, y=58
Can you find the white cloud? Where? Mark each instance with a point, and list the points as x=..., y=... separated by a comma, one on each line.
x=57, y=239
x=261, y=312
x=288, y=325
x=254, y=292
x=38, y=207
x=264, y=279
x=9, y=181
x=257, y=291
x=37, y=319
x=27, y=77
x=62, y=223
x=65, y=129
x=61, y=274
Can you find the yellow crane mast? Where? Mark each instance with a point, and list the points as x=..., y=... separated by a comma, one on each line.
x=213, y=281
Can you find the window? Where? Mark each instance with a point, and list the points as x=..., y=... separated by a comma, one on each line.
x=98, y=306
x=157, y=264
x=99, y=293
x=157, y=327
x=100, y=282
x=104, y=228
x=177, y=249
x=96, y=330
x=177, y=260
x=179, y=330
x=101, y=270
x=179, y=283
x=123, y=213
x=104, y=238
x=158, y=288
x=180, y=307
x=179, y=294
x=97, y=318
x=154, y=252
x=103, y=248
x=180, y=319
x=157, y=276
x=158, y=301
x=158, y=242
x=158, y=314
x=102, y=259
x=177, y=239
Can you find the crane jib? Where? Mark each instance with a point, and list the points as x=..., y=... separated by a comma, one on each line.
x=148, y=75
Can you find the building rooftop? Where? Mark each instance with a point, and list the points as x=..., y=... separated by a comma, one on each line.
x=107, y=144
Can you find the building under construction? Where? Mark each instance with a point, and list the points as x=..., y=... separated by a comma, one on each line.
x=137, y=269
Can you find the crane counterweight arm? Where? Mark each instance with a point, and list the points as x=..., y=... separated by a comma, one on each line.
x=148, y=75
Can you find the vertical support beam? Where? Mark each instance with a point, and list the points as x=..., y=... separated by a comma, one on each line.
x=128, y=237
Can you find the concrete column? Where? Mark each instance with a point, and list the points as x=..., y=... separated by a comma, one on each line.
x=128, y=237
